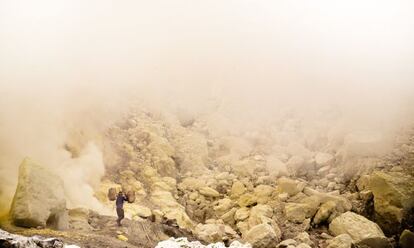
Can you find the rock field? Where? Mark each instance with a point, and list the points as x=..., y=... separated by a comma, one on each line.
x=288, y=184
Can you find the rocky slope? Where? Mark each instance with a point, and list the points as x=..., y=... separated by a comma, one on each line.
x=288, y=184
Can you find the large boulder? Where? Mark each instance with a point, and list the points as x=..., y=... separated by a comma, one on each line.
x=359, y=228
x=39, y=199
x=393, y=198
x=262, y=236
x=171, y=208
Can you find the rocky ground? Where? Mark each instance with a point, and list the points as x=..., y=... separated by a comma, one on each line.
x=288, y=184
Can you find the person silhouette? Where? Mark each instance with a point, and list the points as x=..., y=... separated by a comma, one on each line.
x=120, y=199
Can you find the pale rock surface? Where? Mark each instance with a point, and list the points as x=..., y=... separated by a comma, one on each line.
x=223, y=206
x=340, y=241
x=298, y=212
x=247, y=200
x=191, y=184
x=159, y=185
x=241, y=214
x=290, y=186
x=287, y=243
x=324, y=212
x=263, y=193
x=303, y=245
x=356, y=226
x=243, y=227
x=304, y=237
x=332, y=204
x=228, y=217
x=138, y=210
x=209, y=192
x=363, y=182
x=211, y=233
x=258, y=212
x=283, y=197
x=262, y=236
x=171, y=208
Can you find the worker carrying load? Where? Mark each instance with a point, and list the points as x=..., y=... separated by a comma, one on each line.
x=119, y=202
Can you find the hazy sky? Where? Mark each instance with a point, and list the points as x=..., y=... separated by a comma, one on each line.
x=210, y=45
x=255, y=55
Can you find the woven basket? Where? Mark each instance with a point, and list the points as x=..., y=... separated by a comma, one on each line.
x=112, y=194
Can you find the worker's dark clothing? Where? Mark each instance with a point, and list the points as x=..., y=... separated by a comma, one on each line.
x=120, y=213
x=120, y=199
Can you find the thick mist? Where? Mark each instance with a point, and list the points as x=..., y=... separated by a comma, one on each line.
x=75, y=67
